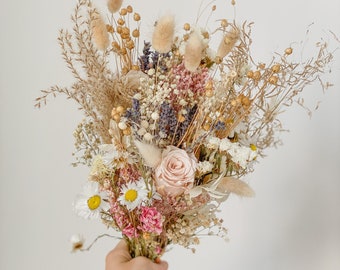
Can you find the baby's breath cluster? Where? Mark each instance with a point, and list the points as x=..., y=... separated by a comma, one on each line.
x=187, y=230
x=172, y=125
x=87, y=142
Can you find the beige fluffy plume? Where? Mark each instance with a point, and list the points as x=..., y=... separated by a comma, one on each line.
x=151, y=154
x=227, y=43
x=163, y=34
x=193, y=52
x=114, y=5
x=99, y=33
x=236, y=186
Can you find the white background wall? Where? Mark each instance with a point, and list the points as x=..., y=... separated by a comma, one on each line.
x=292, y=223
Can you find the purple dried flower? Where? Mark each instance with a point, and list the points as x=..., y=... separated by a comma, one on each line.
x=188, y=118
x=220, y=125
x=133, y=114
x=167, y=120
x=152, y=59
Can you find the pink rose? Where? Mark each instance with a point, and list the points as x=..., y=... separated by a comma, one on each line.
x=176, y=172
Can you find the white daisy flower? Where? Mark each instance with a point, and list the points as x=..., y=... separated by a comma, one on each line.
x=90, y=202
x=133, y=194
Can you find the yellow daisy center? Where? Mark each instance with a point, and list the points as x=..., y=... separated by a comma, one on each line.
x=253, y=147
x=131, y=195
x=94, y=202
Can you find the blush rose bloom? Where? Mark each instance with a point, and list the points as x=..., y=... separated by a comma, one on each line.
x=176, y=172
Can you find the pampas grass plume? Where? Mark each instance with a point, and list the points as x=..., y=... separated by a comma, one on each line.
x=163, y=34
x=236, y=186
x=99, y=32
x=151, y=154
x=193, y=52
x=227, y=43
x=114, y=5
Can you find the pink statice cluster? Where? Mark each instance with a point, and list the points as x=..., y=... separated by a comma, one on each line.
x=186, y=80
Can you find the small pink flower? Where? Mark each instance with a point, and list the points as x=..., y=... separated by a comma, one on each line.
x=159, y=250
x=176, y=172
x=130, y=231
x=151, y=220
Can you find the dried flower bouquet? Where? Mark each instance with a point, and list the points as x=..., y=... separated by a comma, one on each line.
x=172, y=129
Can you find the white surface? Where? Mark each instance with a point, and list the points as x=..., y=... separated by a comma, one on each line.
x=292, y=223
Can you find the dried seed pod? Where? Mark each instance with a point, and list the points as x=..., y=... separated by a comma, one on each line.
x=125, y=31
x=130, y=45
x=115, y=45
x=123, y=11
x=276, y=68
x=121, y=21
x=250, y=74
x=257, y=75
x=123, y=51
x=205, y=34
x=273, y=79
x=136, y=33
x=136, y=17
x=262, y=65
x=110, y=28
x=224, y=23
x=119, y=29
x=186, y=27
x=288, y=51
x=245, y=101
